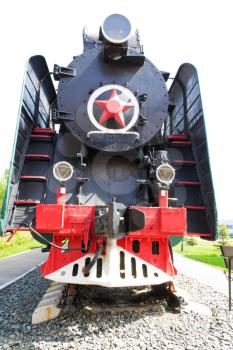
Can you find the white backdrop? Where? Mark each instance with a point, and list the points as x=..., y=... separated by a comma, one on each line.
x=172, y=32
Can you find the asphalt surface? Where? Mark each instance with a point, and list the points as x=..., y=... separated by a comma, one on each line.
x=208, y=275
x=13, y=267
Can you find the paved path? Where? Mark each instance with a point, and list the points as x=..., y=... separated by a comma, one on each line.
x=204, y=273
x=13, y=267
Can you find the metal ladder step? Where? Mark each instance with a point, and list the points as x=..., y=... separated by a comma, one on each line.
x=33, y=178
x=180, y=143
x=26, y=202
x=43, y=130
x=36, y=156
x=178, y=137
x=40, y=137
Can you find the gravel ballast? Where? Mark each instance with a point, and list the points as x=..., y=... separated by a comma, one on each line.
x=191, y=329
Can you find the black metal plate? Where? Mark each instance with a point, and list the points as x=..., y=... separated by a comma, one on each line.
x=92, y=72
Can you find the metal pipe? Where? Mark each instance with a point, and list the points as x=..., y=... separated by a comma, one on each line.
x=88, y=268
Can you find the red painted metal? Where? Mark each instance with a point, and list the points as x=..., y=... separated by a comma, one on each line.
x=58, y=259
x=12, y=234
x=46, y=137
x=76, y=223
x=61, y=195
x=178, y=137
x=161, y=223
x=113, y=108
x=33, y=178
x=26, y=202
x=10, y=229
x=180, y=143
x=13, y=229
x=160, y=259
x=72, y=222
x=163, y=198
x=65, y=220
x=198, y=234
x=43, y=130
x=41, y=156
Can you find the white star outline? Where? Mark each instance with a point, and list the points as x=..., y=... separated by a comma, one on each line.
x=123, y=91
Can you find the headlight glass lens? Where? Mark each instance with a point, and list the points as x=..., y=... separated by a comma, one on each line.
x=63, y=171
x=165, y=173
x=116, y=29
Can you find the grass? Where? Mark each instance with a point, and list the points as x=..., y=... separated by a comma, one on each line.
x=20, y=242
x=204, y=251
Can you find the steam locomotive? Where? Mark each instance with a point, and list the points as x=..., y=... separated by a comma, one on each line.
x=111, y=170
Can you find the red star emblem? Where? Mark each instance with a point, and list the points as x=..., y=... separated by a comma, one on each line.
x=113, y=108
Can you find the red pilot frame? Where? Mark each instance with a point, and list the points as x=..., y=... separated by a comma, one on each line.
x=75, y=223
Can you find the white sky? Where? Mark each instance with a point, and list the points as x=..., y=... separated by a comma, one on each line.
x=172, y=32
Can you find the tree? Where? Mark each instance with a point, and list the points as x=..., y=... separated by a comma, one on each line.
x=223, y=235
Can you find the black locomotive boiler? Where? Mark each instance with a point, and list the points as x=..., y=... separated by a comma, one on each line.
x=112, y=170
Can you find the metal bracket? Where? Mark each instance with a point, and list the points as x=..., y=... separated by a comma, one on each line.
x=113, y=218
x=60, y=116
x=143, y=182
x=80, y=160
x=63, y=72
x=82, y=179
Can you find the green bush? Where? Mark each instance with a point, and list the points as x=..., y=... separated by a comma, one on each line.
x=191, y=240
x=224, y=236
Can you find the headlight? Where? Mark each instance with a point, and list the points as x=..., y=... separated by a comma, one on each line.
x=63, y=171
x=165, y=173
x=116, y=29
